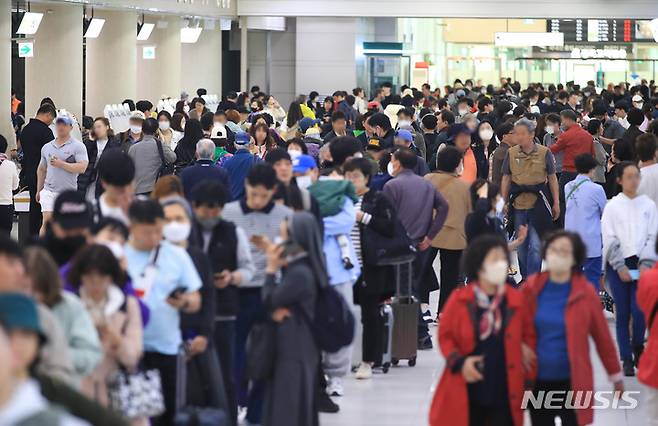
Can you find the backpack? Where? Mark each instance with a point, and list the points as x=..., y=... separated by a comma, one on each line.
x=333, y=325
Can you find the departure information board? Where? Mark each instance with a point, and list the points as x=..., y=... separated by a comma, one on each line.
x=596, y=30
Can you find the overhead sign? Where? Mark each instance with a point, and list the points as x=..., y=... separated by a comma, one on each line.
x=148, y=52
x=602, y=30
x=25, y=49
x=529, y=39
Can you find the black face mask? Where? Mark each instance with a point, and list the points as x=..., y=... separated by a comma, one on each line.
x=63, y=249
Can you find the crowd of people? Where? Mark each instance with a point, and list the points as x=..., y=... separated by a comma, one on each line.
x=191, y=260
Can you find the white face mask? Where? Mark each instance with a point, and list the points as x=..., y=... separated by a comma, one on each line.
x=176, y=232
x=294, y=153
x=486, y=134
x=164, y=125
x=463, y=111
x=557, y=263
x=115, y=247
x=186, y=109
x=136, y=129
x=549, y=129
x=389, y=169
x=639, y=105
x=303, y=182
x=495, y=272
x=500, y=204
x=404, y=124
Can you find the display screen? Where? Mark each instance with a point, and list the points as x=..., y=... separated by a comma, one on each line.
x=601, y=30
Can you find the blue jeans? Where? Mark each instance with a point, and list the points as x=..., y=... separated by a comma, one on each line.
x=529, y=253
x=626, y=307
x=592, y=270
x=251, y=312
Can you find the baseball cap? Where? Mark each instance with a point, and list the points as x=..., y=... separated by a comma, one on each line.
x=306, y=123
x=137, y=115
x=303, y=163
x=72, y=211
x=460, y=93
x=19, y=312
x=242, y=138
x=218, y=132
x=405, y=135
x=637, y=98
x=65, y=119
x=458, y=129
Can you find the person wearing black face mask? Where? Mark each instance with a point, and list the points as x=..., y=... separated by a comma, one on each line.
x=70, y=227
x=227, y=247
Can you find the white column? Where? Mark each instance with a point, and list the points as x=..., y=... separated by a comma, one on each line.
x=326, y=59
x=202, y=63
x=161, y=76
x=6, y=128
x=243, y=53
x=111, y=62
x=56, y=68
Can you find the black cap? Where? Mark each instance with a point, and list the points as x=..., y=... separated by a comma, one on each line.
x=72, y=211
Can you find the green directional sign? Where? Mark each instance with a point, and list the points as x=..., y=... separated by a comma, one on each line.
x=148, y=52
x=25, y=49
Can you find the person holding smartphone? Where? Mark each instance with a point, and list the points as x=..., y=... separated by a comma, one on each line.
x=629, y=224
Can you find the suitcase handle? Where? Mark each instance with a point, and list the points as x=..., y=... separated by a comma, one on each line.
x=398, y=277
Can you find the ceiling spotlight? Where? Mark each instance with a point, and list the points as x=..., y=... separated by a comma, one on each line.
x=30, y=23
x=144, y=31
x=94, y=28
x=190, y=34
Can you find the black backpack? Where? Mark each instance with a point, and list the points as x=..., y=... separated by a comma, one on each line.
x=333, y=325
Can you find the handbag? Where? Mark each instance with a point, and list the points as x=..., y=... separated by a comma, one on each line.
x=261, y=351
x=136, y=394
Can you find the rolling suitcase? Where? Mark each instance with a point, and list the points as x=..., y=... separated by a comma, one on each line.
x=386, y=312
x=405, y=318
x=187, y=415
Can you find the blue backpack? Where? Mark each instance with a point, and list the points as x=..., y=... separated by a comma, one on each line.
x=333, y=325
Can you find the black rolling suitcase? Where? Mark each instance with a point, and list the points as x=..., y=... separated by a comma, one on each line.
x=187, y=415
x=405, y=308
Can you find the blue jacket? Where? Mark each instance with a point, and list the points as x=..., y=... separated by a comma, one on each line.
x=238, y=168
x=201, y=171
x=340, y=224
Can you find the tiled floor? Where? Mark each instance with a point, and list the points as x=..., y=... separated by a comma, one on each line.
x=402, y=397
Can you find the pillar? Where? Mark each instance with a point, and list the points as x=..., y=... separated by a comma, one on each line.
x=111, y=72
x=315, y=39
x=56, y=68
x=161, y=76
x=202, y=63
x=244, y=58
x=6, y=129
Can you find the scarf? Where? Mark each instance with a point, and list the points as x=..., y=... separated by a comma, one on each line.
x=491, y=320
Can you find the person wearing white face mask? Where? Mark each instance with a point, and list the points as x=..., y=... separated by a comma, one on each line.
x=487, y=348
x=553, y=131
x=205, y=386
x=484, y=144
x=165, y=132
x=566, y=312
x=134, y=132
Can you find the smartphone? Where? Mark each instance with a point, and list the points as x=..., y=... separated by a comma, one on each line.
x=177, y=292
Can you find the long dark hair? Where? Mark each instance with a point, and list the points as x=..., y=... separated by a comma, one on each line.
x=176, y=121
x=270, y=143
x=294, y=114
x=193, y=134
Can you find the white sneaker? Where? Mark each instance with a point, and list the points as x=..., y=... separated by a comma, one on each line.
x=335, y=386
x=364, y=371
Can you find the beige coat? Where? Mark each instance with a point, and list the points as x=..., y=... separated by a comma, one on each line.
x=128, y=324
x=456, y=192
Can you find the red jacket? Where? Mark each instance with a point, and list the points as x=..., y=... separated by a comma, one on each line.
x=457, y=339
x=573, y=142
x=583, y=318
x=647, y=297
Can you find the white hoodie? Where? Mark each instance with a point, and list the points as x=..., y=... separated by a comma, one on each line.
x=629, y=228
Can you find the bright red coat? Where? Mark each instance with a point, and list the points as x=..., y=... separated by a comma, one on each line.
x=647, y=297
x=583, y=318
x=457, y=339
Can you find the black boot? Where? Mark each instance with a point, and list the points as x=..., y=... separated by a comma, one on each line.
x=629, y=370
x=637, y=352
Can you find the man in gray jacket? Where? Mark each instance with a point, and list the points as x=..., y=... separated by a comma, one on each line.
x=146, y=156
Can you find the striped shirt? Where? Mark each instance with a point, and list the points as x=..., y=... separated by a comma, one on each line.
x=355, y=233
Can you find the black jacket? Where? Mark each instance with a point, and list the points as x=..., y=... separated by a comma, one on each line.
x=91, y=174
x=222, y=254
x=376, y=282
x=201, y=322
x=482, y=160
x=478, y=222
x=34, y=136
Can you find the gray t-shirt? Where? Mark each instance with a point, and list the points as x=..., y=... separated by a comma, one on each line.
x=58, y=179
x=148, y=162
